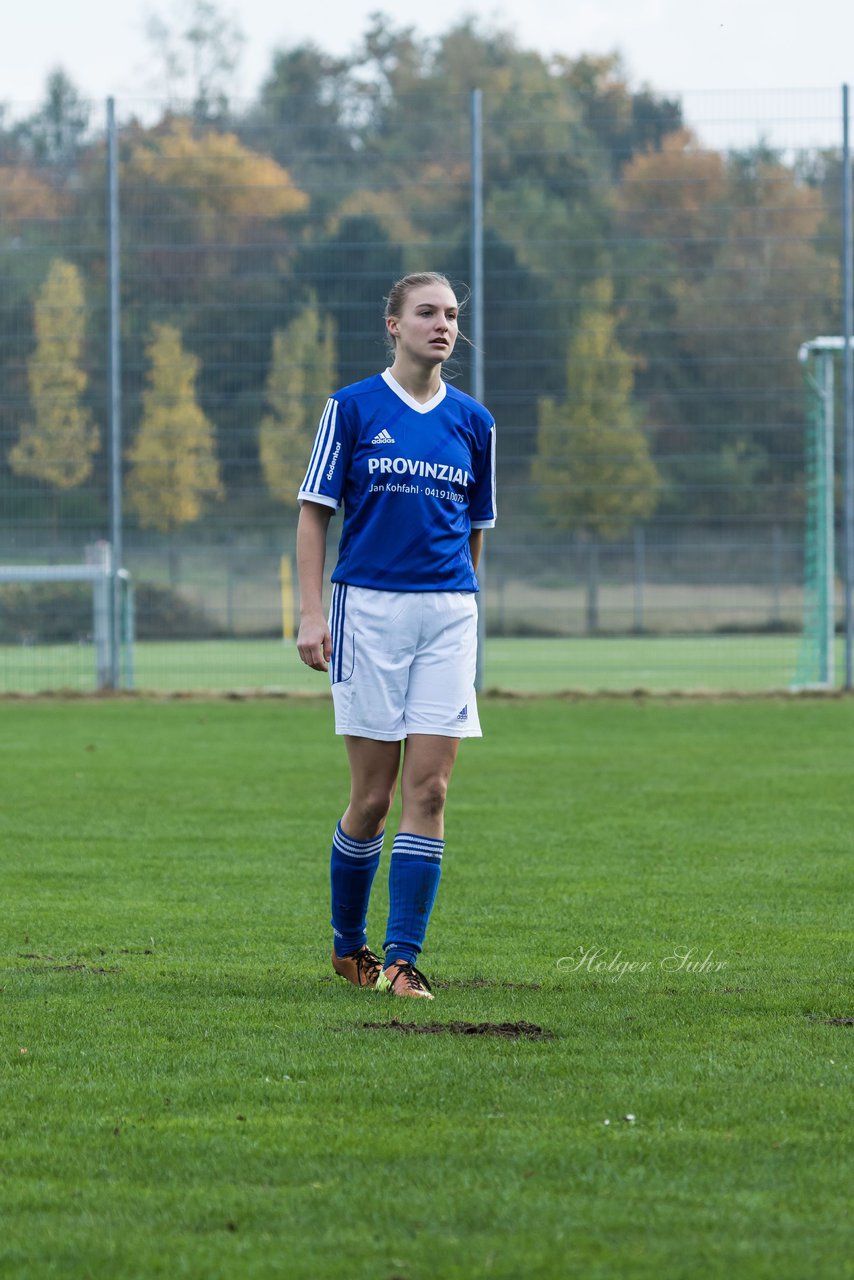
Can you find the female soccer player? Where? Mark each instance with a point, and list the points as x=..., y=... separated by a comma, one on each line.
x=412, y=459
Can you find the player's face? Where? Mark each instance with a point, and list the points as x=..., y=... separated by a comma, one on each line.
x=427, y=327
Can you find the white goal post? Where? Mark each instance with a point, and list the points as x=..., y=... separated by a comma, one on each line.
x=99, y=572
x=815, y=666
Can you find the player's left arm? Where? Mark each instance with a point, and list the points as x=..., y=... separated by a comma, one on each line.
x=482, y=506
x=475, y=546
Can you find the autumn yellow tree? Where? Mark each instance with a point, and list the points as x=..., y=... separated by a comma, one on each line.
x=771, y=263
x=174, y=468
x=25, y=196
x=302, y=371
x=57, y=444
x=592, y=465
x=207, y=176
x=675, y=196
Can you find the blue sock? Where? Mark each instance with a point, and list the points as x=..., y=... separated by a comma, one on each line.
x=413, y=881
x=352, y=869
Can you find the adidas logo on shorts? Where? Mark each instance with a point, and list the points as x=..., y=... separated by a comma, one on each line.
x=383, y=438
x=464, y=714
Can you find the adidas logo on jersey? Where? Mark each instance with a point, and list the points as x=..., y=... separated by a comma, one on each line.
x=383, y=438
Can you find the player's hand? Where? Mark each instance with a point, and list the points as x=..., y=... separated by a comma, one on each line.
x=314, y=643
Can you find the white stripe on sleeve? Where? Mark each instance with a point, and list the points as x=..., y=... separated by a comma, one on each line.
x=322, y=447
x=490, y=523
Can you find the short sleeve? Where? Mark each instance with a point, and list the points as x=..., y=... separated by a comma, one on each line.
x=482, y=504
x=327, y=468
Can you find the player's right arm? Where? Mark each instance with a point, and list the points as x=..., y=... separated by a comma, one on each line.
x=319, y=495
x=314, y=642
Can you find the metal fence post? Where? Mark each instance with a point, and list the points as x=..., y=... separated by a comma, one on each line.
x=477, y=329
x=115, y=406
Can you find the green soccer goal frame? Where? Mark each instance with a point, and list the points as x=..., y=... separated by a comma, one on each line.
x=815, y=664
x=97, y=571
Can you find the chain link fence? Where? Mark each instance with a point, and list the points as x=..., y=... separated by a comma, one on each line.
x=651, y=266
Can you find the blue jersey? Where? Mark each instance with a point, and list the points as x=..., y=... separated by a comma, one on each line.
x=414, y=479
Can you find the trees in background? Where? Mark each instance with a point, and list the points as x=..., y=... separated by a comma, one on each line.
x=53, y=135
x=592, y=466
x=57, y=443
x=301, y=377
x=300, y=208
x=211, y=226
x=729, y=272
x=174, y=472
x=197, y=51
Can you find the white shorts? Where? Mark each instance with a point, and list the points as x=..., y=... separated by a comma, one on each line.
x=403, y=662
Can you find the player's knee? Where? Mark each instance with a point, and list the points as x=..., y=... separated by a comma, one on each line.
x=430, y=795
x=372, y=806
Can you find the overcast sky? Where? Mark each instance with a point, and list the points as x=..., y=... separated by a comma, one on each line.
x=675, y=45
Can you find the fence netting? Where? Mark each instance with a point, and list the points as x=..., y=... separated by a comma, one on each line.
x=652, y=264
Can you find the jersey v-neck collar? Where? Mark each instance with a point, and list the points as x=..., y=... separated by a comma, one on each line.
x=392, y=382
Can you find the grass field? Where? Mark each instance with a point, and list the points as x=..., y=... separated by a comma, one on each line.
x=748, y=663
x=188, y=1092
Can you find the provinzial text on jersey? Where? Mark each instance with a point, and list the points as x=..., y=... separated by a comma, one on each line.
x=417, y=467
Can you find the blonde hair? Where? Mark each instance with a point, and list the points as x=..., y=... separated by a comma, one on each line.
x=400, y=291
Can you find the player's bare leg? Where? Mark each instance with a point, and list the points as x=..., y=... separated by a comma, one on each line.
x=428, y=762
x=374, y=768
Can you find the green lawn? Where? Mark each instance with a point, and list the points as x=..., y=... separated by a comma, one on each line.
x=189, y=1092
x=714, y=663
